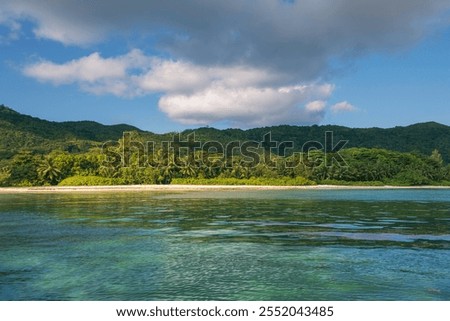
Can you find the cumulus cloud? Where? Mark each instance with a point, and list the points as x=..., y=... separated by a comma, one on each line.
x=316, y=106
x=298, y=36
x=182, y=76
x=224, y=60
x=246, y=106
x=191, y=94
x=343, y=106
x=94, y=73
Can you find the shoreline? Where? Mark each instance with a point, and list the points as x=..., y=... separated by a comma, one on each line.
x=189, y=188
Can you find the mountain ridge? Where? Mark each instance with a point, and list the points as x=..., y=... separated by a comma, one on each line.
x=24, y=132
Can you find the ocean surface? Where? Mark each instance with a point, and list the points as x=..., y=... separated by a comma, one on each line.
x=226, y=245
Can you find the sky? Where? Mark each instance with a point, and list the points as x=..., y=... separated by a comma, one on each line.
x=171, y=65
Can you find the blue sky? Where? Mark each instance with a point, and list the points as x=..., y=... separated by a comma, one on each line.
x=167, y=66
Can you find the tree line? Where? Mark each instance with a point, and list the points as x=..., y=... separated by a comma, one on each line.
x=363, y=166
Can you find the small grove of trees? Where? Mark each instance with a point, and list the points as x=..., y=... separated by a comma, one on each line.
x=28, y=169
x=387, y=167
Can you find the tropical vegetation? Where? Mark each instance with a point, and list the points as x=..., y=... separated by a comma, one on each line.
x=35, y=152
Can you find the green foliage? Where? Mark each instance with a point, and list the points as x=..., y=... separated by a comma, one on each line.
x=90, y=181
x=349, y=183
x=20, y=132
x=422, y=138
x=49, y=172
x=282, y=181
x=24, y=170
x=139, y=175
x=378, y=165
x=38, y=152
x=5, y=174
x=81, y=130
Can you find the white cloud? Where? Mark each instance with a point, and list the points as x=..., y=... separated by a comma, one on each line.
x=246, y=106
x=63, y=21
x=298, y=37
x=343, y=106
x=93, y=73
x=316, y=106
x=192, y=94
x=244, y=96
x=179, y=76
x=227, y=60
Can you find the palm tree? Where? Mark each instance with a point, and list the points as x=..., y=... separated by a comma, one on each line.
x=237, y=170
x=48, y=171
x=188, y=170
x=5, y=173
x=211, y=167
x=109, y=171
x=166, y=173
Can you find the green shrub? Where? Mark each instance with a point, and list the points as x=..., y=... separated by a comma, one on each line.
x=351, y=183
x=262, y=181
x=90, y=181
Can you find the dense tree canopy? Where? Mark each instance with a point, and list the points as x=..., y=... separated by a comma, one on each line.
x=38, y=152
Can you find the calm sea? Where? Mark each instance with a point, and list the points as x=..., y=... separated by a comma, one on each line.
x=226, y=245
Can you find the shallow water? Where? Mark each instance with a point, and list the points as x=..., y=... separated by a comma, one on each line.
x=226, y=245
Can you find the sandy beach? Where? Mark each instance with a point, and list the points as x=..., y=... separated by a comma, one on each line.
x=182, y=188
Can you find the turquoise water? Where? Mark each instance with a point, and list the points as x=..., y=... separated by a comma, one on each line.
x=226, y=245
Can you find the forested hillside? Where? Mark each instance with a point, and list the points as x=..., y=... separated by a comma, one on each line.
x=25, y=132
x=420, y=138
x=40, y=152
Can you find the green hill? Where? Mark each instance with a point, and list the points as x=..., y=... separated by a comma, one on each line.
x=20, y=132
x=420, y=138
x=84, y=130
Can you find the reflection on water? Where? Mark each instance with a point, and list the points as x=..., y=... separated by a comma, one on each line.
x=226, y=245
